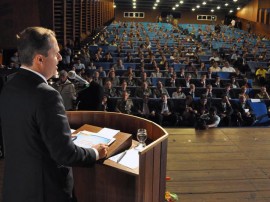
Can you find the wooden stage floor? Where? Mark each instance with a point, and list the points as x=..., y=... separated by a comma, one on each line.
x=217, y=165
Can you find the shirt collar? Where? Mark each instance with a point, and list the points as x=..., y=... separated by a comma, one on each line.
x=40, y=75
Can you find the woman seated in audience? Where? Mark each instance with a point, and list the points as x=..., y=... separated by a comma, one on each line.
x=243, y=92
x=234, y=83
x=113, y=78
x=263, y=94
x=178, y=93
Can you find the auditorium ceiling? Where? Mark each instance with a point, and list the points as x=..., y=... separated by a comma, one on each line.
x=183, y=5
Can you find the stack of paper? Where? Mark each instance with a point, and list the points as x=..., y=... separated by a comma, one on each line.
x=128, y=158
x=87, y=139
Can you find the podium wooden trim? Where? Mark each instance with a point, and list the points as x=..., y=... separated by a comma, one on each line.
x=110, y=182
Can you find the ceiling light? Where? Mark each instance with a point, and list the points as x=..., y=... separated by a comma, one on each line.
x=226, y=4
x=193, y=9
x=218, y=7
x=238, y=8
x=134, y=6
x=154, y=7
x=198, y=6
x=234, y=0
x=134, y=0
x=231, y=11
x=212, y=10
x=173, y=8
x=155, y=4
x=177, y=5
x=114, y=6
x=134, y=3
x=157, y=1
x=181, y=2
x=204, y=3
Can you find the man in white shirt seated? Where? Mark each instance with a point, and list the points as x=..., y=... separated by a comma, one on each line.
x=227, y=67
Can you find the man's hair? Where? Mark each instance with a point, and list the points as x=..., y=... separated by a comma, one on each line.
x=32, y=41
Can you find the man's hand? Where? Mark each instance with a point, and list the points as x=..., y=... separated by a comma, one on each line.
x=102, y=150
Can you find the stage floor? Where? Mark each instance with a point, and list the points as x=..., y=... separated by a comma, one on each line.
x=222, y=164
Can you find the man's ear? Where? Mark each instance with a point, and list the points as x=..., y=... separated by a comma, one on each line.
x=38, y=59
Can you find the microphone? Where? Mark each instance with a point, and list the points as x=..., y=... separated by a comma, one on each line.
x=73, y=75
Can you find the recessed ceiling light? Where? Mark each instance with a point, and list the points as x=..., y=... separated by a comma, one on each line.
x=198, y=6
x=114, y=6
x=193, y=9
x=218, y=7
x=157, y=1
x=181, y=2
x=231, y=11
x=238, y=8
x=212, y=10
x=226, y=4
x=173, y=8
x=235, y=0
x=177, y=5
x=155, y=4
x=134, y=6
x=134, y=3
x=154, y=7
x=204, y=3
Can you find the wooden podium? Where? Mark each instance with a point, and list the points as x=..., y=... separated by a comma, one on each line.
x=108, y=181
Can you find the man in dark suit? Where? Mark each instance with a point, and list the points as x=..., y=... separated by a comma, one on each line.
x=35, y=128
x=165, y=111
x=90, y=98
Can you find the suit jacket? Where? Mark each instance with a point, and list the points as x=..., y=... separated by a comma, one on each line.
x=90, y=98
x=37, y=142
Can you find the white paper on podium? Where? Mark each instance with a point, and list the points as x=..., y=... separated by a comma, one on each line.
x=107, y=132
x=130, y=158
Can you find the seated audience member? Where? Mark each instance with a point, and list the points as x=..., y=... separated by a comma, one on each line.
x=165, y=111
x=131, y=81
x=245, y=82
x=243, y=91
x=124, y=88
x=210, y=74
x=225, y=111
x=109, y=90
x=214, y=57
x=237, y=74
x=187, y=112
x=143, y=90
x=187, y=81
x=90, y=98
x=244, y=113
x=182, y=73
x=215, y=67
x=192, y=91
x=261, y=75
x=208, y=120
x=124, y=104
x=172, y=81
x=129, y=72
x=227, y=67
x=156, y=73
x=146, y=109
x=144, y=78
x=263, y=94
x=202, y=105
x=113, y=78
x=228, y=91
x=119, y=65
x=178, y=93
x=104, y=103
x=97, y=78
x=209, y=92
x=107, y=57
x=217, y=83
x=102, y=73
x=159, y=90
x=202, y=82
x=234, y=83
x=129, y=58
x=170, y=72
x=66, y=89
x=78, y=65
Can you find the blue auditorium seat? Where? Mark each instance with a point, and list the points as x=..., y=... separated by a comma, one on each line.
x=261, y=113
